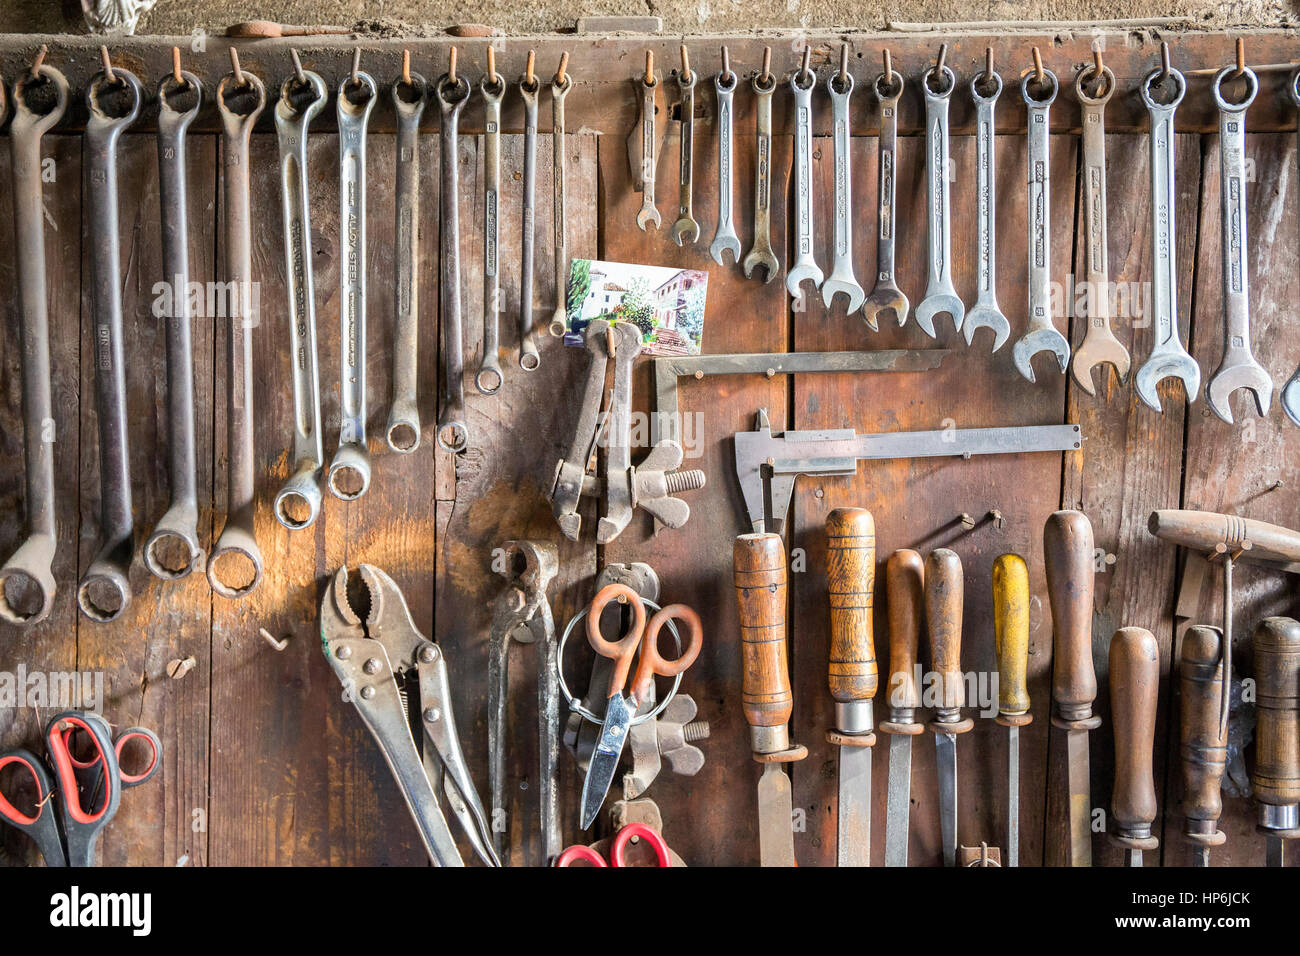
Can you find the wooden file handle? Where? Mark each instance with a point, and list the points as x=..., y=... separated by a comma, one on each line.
x=1277, y=711
x=850, y=586
x=1134, y=682
x=759, y=562
x=905, y=594
x=944, y=594
x=1204, y=749
x=1011, y=637
x=1068, y=556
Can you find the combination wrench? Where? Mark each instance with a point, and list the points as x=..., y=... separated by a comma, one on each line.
x=724, y=237
x=1291, y=391
x=559, y=90
x=886, y=296
x=648, y=213
x=1099, y=343
x=27, y=585
x=349, y=471
x=760, y=253
x=402, y=432
x=986, y=313
x=805, y=265
x=113, y=102
x=940, y=294
x=1168, y=358
x=1041, y=335
x=453, y=436
x=1238, y=369
x=489, y=380
x=842, y=280
x=529, y=359
x=240, y=100
x=173, y=551
x=298, y=502
x=686, y=229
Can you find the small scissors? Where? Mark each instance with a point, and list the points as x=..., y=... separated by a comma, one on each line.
x=620, y=710
x=617, y=848
x=89, y=790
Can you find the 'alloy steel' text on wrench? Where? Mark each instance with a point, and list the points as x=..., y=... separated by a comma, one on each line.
x=986, y=313
x=453, y=435
x=724, y=237
x=887, y=296
x=805, y=265
x=842, y=279
x=940, y=294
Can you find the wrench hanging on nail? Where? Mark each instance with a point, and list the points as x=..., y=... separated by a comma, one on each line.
x=559, y=90
x=724, y=237
x=528, y=357
x=986, y=313
x=805, y=264
x=761, y=254
x=453, y=435
x=940, y=294
x=842, y=280
x=886, y=296
x=1291, y=391
x=686, y=229
x=489, y=379
x=648, y=213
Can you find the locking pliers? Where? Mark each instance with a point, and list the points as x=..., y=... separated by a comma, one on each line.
x=379, y=661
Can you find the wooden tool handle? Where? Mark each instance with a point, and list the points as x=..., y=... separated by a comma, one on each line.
x=1204, y=749
x=1068, y=556
x=1277, y=711
x=944, y=594
x=905, y=594
x=1134, y=681
x=1011, y=635
x=1208, y=531
x=850, y=586
x=759, y=562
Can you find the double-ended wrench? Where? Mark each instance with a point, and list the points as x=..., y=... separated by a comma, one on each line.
x=940, y=294
x=453, y=435
x=842, y=280
x=686, y=230
x=804, y=268
x=985, y=88
x=724, y=237
x=489, y=379
x=886, y=296
x=760, y=254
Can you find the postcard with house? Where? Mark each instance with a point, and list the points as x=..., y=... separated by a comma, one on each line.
x=666, y=304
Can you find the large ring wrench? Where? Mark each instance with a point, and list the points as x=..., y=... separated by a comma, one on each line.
x=686, y=229
x=173, y=551
x=1238, y=369
x=648, y=212
x=114, y=104
x=940, y=294
x=1168, y=358
x=1099, y=343
x=403, y=428
x=986, y=313
x=559, y=167
x=1041, y=335
x=805, y=264
x=886, y=296
x=453, y=436
x=842, y=279
x=349, y=472
x=1291, y=391
x=239, y=103
x=29, y=568
x=489, y=379
x=529, y=359
x=724, y=237
x=298, y=503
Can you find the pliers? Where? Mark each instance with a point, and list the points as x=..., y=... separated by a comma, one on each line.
x=380, y=660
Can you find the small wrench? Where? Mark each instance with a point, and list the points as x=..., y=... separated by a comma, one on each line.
x=648, y=214
x=560, y=318
x=886, y=295
x=1168, y=358
x=761, y=254
x=686, y=229
x=29, y=568
x=1041, y=335
x=298, y=502
x=349, y=473
x=1238, y=369
x=453, y=436
x=940, y=295
x=489, y=379
x=529, y=360
x=724, y=237
x=1291, y=391
x=986, y=313
x=842, y=279
x=805, y=265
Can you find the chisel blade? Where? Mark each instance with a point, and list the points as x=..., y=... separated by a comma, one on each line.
x=853, y=842
x=945, y=750
x=1200, y=856
x=775, y=809
x=899, y=800
x=1076, y=748
x=1274, y=854
x=1013, y=796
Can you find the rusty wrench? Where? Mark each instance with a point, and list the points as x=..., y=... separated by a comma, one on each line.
x=1291, y=391
x=648, y=213
x=1238, y=369
x=489, y=379
x=453, y=436
x=724, y=237
x=1099, y=343
x=686, y=229
x=842, y=280
x=805, y=264
x=886, y=296
x=940, y=294
x=29, y=568
x=986, y=313
x=760, y=254
x=529, y=360
x=114, y=104
x=559, y=318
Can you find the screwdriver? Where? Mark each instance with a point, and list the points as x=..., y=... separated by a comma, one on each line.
x=1276, y=780
x=1011, y=641
x=904, y=590
x=944, y=594
x=1203, y=743
x=1134, y=681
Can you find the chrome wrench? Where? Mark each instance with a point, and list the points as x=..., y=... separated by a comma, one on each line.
x=1238, y=369
x=649, y=213
x=940, y=294
x=842, y=280
x=529, y=360
x=761, y=254
x=453, y=436
x=489, y=379
x=298, y=502
x=986, y=313
x=805, y=265
x=559, y=319
x=1168, y=358
x=1291, y=391
x=686, y=229
x=724, y=237
x=31, y=596
x=1041, y=335
x=886, y=296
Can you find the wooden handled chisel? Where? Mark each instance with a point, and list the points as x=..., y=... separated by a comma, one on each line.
x=766, y=698
x=1011, y=641
x=853, y=674
x=944, y=595
x=905, y=594
x=1276, y=780
x=1134, y=681
x=1202, y=741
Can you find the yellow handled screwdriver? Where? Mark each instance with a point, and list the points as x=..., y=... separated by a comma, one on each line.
x=1011, y=641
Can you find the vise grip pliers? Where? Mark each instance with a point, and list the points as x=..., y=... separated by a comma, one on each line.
x=380, y=659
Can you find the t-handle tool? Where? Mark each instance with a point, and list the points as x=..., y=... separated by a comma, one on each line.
x=1068, y=557
x=1276, y=780
x=1134, y=682
x=1203, y=741
x=1291, y=391
x=766, y=698
x=853, y=677
x=940, y=293
x=1011, y=641
x=905, y=592
x=944, y=594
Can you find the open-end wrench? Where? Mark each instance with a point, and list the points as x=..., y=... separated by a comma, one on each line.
x=1041, y=335
x=724, y=237
x=528, y=357
x=649, y=213
x=842, y=279
x=886, y=295
x=173, y=551
x=940, y=294
x=760, y=253
x=488, y=380
x=1291, y=391
x=986, y=313
x=559, y=165
x=240, y=100
x=805, y=264
x=349, y=472
x=453, y=435
x=1238, y=369
x=1168, y=358
x=409, y=93
x=620, y=499
x=298, y=502
x=27, y=581
x=113, y=103
x=1099, y=343
x=686, y=229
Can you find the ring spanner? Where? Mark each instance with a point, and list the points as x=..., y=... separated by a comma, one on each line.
x=528, y=357
x=489, y=380
x=453, y=436
x=559, y=167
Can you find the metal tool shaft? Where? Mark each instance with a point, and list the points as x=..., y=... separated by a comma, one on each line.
x=529, y=359
x=453, y=433
x=403, y=429
x=489, y=379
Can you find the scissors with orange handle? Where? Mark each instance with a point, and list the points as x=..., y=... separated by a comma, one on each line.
x=617, y=849
x=622, y=707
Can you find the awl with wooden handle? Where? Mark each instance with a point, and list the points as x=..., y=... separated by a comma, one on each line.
x=760, y=578
x=905, y=592
x=853, y=674
x=1276, y=780
x=944, y=596
x=1202, y=741
x=1134, y=682
x=1011, y=641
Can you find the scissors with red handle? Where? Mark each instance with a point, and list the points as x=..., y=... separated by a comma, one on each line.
x=617, y=849
x=621, y=708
